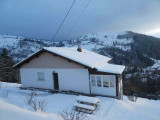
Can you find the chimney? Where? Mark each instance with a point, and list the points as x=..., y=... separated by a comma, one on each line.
x=79, y=49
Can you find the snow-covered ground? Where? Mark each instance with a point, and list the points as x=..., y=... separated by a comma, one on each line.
x=14, y=106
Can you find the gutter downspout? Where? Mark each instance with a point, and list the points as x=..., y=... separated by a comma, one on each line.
x=89, y=83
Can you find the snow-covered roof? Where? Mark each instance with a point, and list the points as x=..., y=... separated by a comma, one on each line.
x=110, y=68
x=88, y=58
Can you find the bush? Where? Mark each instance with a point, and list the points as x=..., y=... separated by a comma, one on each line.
x=73, y=115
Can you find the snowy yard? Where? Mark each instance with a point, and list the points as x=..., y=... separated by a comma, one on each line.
x=13, y=106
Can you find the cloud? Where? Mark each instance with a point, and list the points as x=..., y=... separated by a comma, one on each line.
x=41, y=18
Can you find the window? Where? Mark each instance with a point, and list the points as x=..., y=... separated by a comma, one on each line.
x=40, y=76
x=99, y=81
x=93, y=81
x=105, y=81
x=112, y=81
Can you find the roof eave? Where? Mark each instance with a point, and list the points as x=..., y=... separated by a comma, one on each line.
x=104, y=72
x=18, y=65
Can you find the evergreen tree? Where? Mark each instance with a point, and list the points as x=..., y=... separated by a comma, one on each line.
x=7, y=73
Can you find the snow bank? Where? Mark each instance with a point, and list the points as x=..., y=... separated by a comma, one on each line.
x=12, y=112
x=14, y=107
x=9, y=85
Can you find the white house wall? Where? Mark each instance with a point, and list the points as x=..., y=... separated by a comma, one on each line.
x=69, y=79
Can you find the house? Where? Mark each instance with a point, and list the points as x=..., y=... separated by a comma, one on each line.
x=70, y=69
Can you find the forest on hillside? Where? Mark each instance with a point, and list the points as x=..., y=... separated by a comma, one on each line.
x=136, y=76
x=7, y=72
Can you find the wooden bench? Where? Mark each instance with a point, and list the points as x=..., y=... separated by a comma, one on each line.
x=89, y=100
x=86, y=104
x=84, y=108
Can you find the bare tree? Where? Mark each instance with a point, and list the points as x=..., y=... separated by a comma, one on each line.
x=73, y=115
x=42, y=105
x=36, y=105
x=39, y=105
x=33, y=104
x=30, y=97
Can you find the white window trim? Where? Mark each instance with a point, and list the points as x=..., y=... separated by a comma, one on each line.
x=101, y=80
x=108, y=77
x=39, y=77
x=94, y=80
x=107, y=80
x=113, y=83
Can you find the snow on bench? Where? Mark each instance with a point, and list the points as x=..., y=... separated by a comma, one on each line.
x=83, y=106
x=86, y=104
x=86, y=99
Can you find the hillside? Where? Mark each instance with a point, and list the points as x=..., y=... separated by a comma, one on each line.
x=124, y=46
x=20, y=47
x=139, y=53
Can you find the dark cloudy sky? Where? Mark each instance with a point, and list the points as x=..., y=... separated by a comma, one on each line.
x=41, y=18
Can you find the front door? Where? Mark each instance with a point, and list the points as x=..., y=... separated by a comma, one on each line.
x=55, y=77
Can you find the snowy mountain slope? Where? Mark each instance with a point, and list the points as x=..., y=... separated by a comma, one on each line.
x=20, y=48
x=104, y=39
x=108, y=108
x=103, y=43
x=8, y=40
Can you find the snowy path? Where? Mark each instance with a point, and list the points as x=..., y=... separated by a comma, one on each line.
x=14, y=107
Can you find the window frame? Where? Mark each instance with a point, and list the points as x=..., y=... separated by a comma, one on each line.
x=100, y=83
x=41, y=76
x=100, y=80
x=93, y=81
x=112, y=80
x=107, y=80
